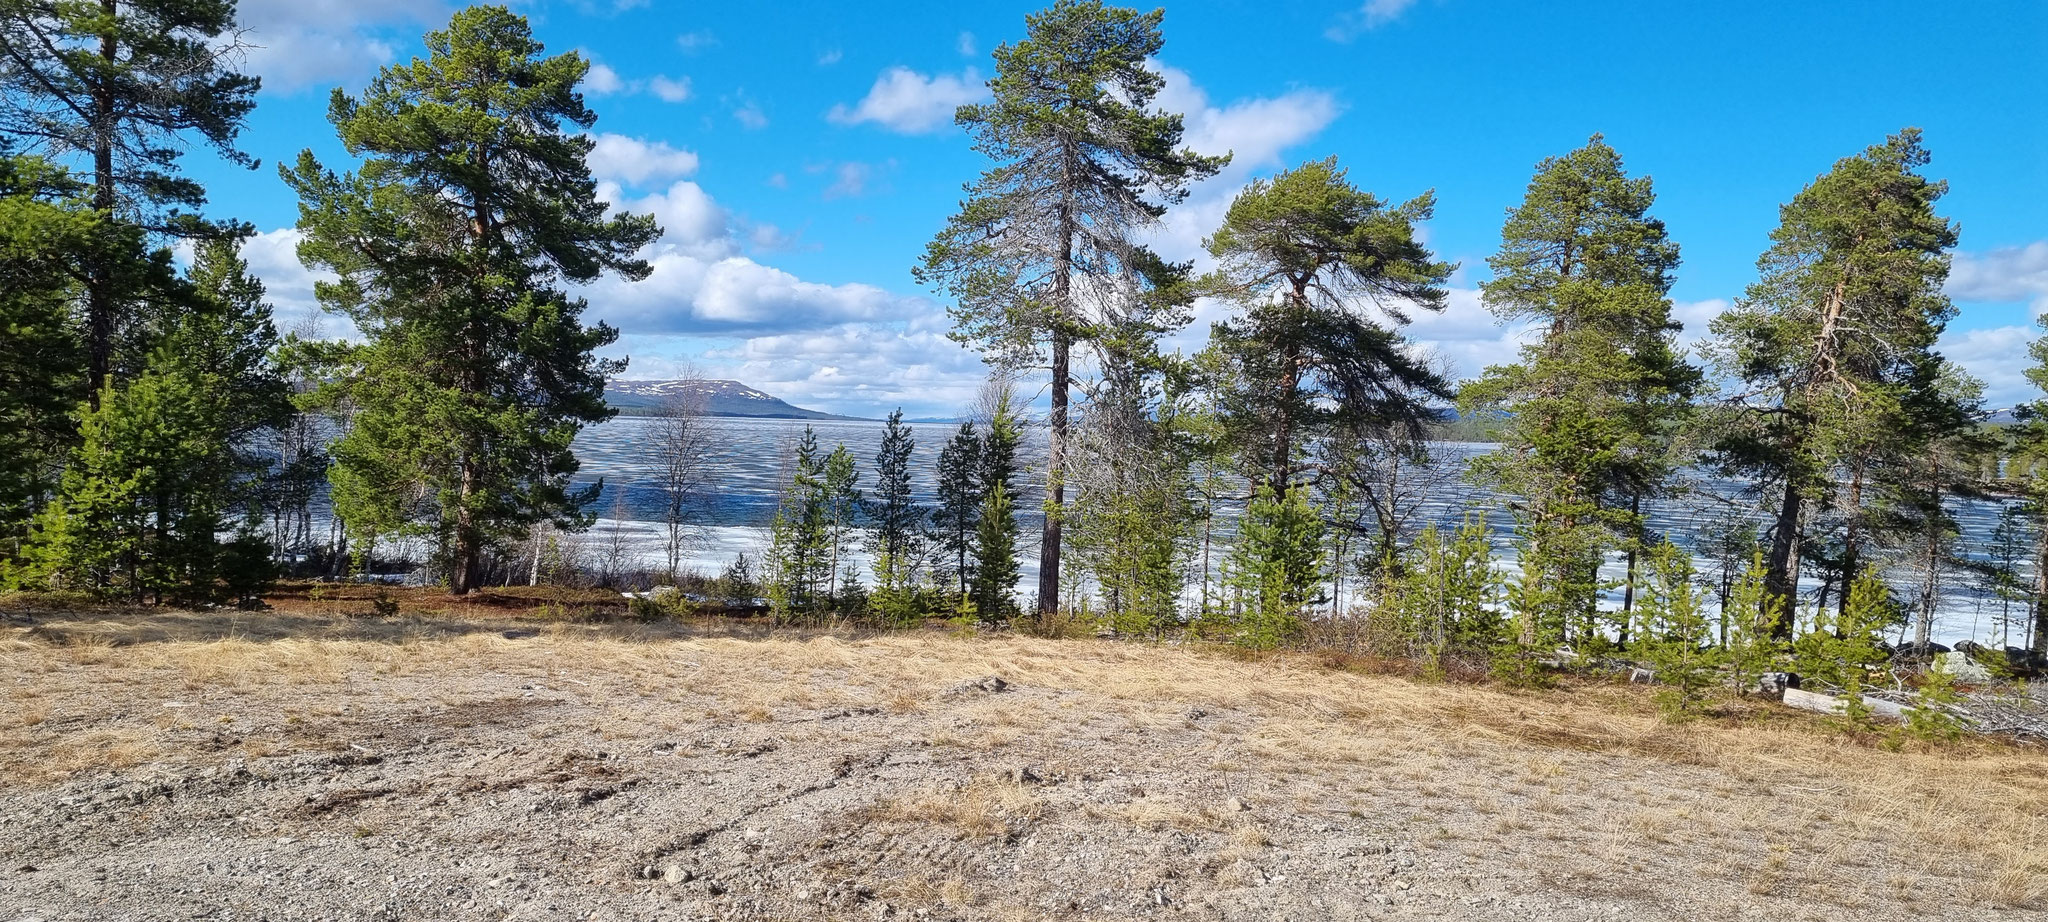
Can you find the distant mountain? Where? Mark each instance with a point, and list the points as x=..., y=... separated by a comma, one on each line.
x=721, y=398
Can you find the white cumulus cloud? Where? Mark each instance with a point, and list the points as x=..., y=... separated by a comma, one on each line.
x=2008, y=274
x=303, y=43
x=632, y=161
x=905, y=101
x=602, y=80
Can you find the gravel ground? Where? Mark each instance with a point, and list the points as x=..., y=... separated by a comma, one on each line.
x=404, y=770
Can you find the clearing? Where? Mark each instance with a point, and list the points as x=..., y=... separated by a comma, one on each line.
x=314, y=763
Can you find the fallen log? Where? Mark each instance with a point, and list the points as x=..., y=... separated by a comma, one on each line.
x=1829, y=704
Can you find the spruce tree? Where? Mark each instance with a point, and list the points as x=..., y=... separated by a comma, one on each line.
x=1083, y=165
x=958, y=514
x=1600, y=389
x=1833, y=344
x=995, y=556
x=842, y=506
x=995, y=535
x=894, y=539
x=801, y=547
x=124, y=87
x=164, y=464
x=46, y=224
x=1305, y=254
x=455, y=244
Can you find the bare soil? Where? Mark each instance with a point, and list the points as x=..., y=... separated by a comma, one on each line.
x=312, y=763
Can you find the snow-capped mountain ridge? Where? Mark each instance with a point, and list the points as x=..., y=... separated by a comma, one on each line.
x=721, y=398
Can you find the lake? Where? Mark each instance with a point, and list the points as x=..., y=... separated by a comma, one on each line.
x=750, y=455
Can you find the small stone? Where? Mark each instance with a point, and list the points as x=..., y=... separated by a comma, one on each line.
x=1774, y=684
x=989, y=684
x=675, y=874
x=1235, y=806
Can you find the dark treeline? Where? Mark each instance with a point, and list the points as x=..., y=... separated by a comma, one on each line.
x=163, y=443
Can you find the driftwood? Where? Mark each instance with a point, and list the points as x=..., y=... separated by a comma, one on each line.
x=1829, y=704
x=2008, y=714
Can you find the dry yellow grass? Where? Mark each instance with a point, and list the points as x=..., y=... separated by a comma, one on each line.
x=1589, y=771
x=986, y=808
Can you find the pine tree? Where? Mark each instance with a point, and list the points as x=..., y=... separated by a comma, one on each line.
x=2002, y=571
x=1833, y=342
x=959, y=511
x=1931, y=718
x=125, y=86
x=1134, y=516
x=1914, y=494
x=1600, y=389
x=454, y=245
x=1276, y=566
x=1083, y=165
x=1753, y=620
x=2032, y=444
x=1844, y=648
x=1303, y=253
x=1443, y=602
x=1673, y=634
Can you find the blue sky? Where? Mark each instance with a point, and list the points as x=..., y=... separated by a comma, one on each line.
x=800, y=154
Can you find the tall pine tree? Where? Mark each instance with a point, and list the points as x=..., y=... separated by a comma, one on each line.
x=454, y=244
x=1600, y=389
x=124, y=86
x=1833, y=348
x=1083, y=165
x=1308, y=255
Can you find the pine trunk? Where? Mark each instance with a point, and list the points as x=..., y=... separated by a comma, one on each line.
x=1781, y=573
x=1056, y=422
x=99, y=294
